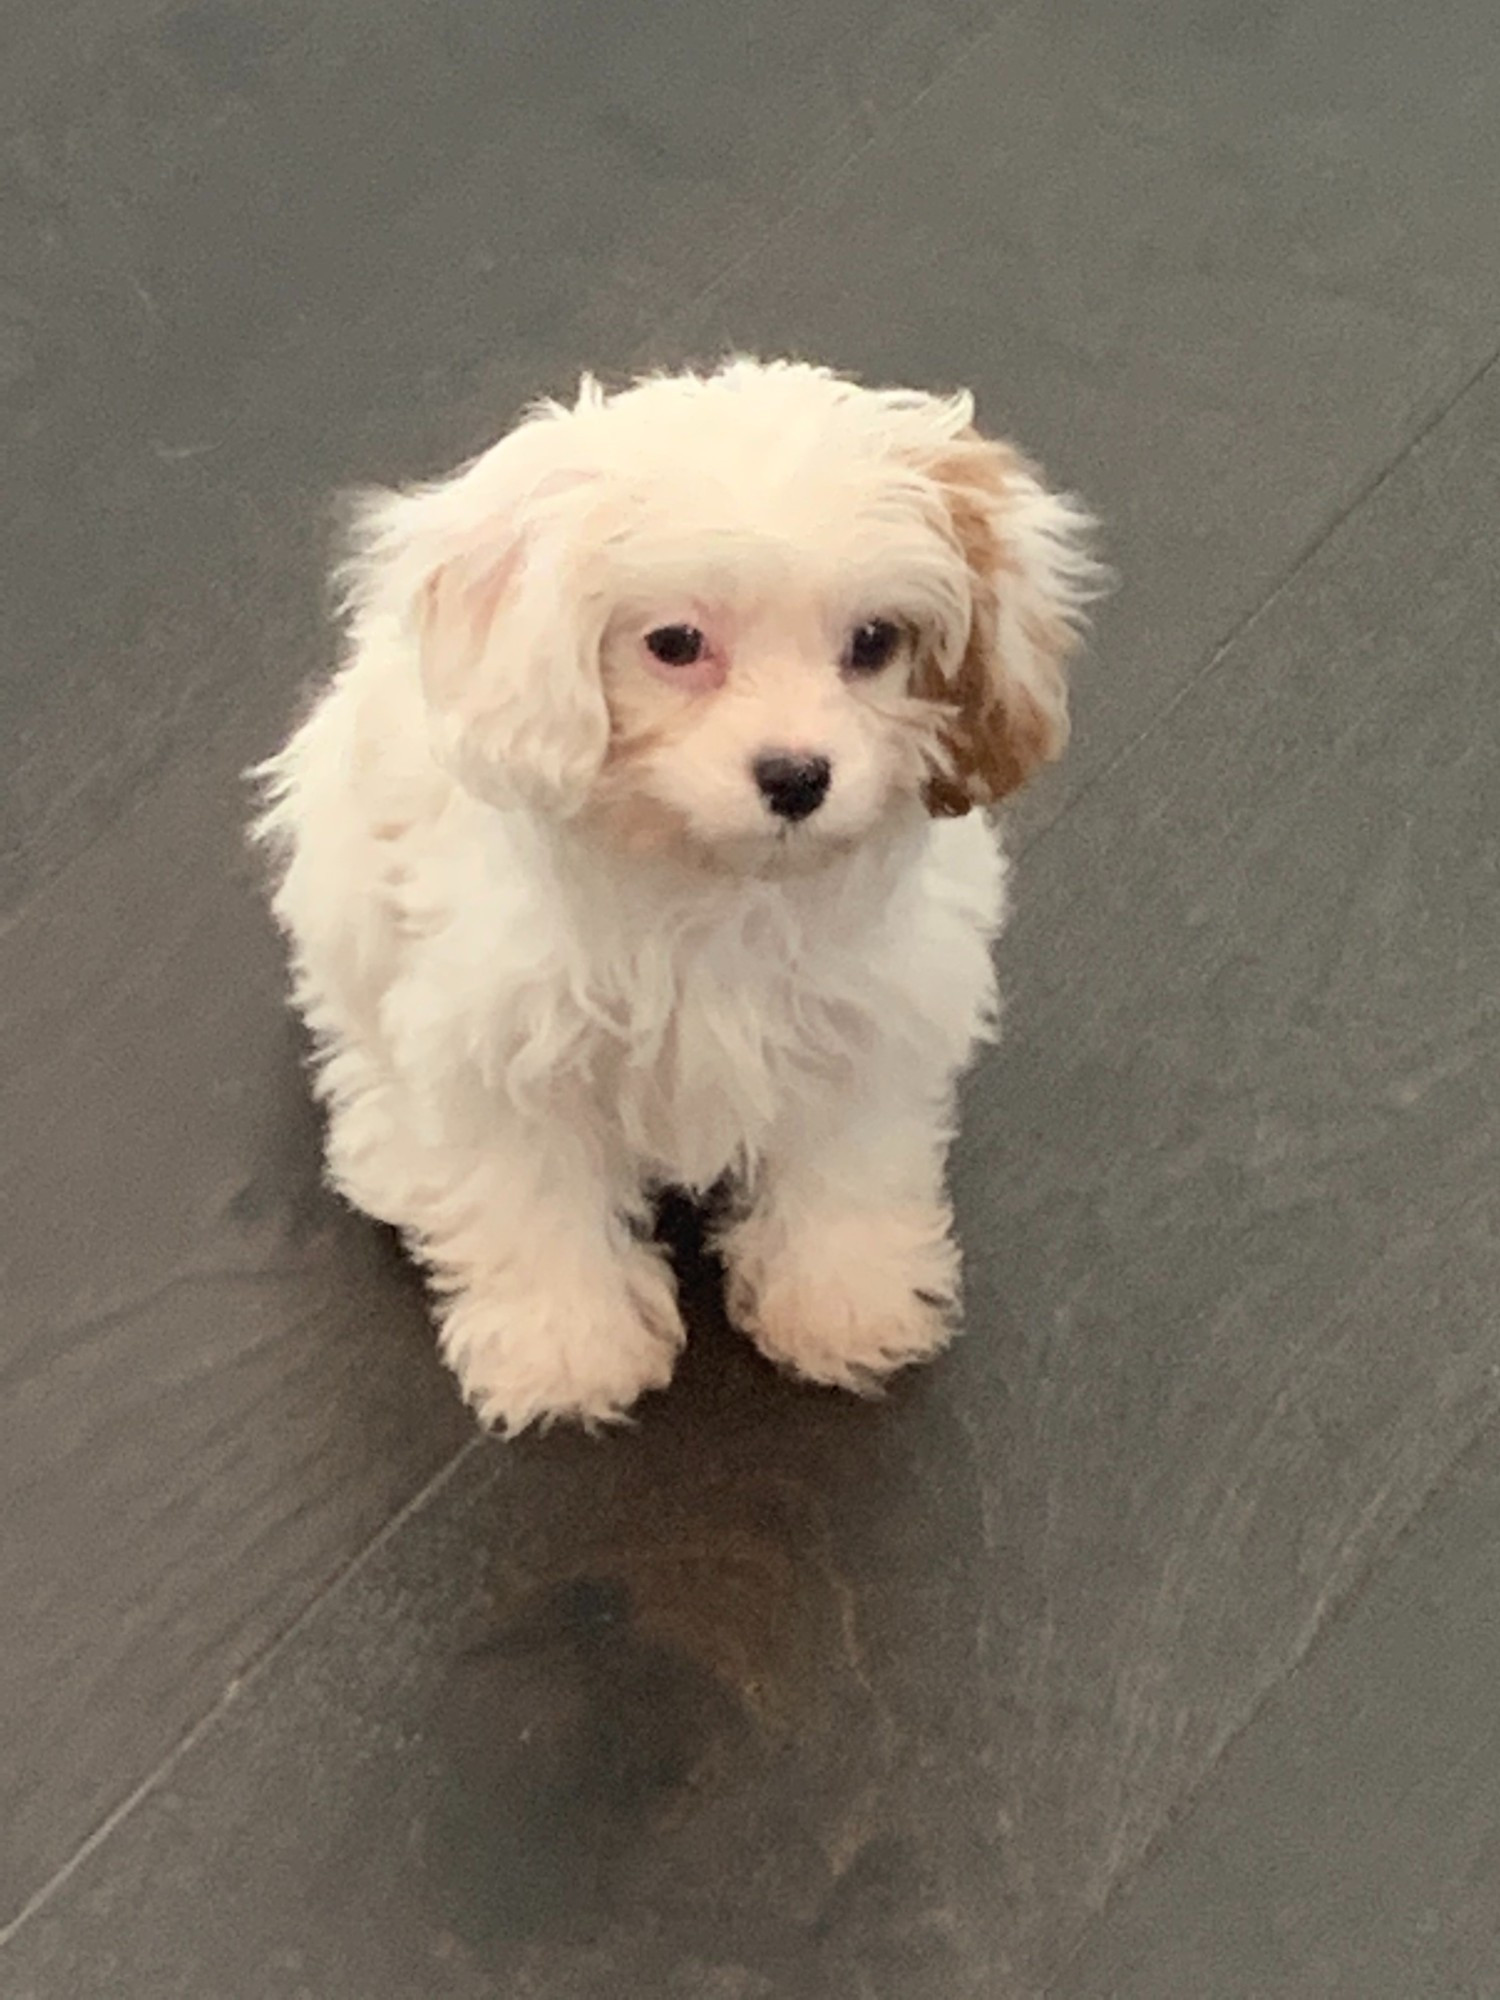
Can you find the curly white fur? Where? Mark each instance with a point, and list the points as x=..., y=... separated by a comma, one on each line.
x=556, y=948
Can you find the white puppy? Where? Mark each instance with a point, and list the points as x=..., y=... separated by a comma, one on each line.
x=631, y=846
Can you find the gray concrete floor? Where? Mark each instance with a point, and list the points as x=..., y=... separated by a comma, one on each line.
x=1148, y=1647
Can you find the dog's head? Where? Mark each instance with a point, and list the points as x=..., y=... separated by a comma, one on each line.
x=745, y=614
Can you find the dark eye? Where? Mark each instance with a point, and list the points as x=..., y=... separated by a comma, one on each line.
x=675, y=645
x=872, y=646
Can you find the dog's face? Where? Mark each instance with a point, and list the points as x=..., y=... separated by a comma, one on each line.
x=758, y=658
x=745, y=616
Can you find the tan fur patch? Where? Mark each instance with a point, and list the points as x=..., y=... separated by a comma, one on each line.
x=999, y=733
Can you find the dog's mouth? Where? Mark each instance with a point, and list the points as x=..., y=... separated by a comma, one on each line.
x=805, y=848
x=635, y=822
x=773, y=852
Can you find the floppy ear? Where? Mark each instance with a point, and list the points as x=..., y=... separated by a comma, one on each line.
x=1030, y=577
x=481, y=575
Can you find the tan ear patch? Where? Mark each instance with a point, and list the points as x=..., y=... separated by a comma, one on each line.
x=1001, y=729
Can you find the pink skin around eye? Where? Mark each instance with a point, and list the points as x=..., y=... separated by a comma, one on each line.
x=700, y=676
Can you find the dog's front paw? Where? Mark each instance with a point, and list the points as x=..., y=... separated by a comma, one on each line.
x=569, y=1354
x=849, y=1300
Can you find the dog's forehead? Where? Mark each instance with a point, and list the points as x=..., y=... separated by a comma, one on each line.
x=716, y=494
x=818, y=550
x=720, y=493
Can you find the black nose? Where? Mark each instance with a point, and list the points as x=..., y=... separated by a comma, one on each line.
x=792, y=786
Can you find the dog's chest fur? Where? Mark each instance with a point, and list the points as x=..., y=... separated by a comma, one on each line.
x=693, y=1027
x=711, y=1040
x=686, y=1025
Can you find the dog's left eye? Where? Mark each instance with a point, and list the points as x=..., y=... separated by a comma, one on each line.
x=872, y=646
x=675, y=645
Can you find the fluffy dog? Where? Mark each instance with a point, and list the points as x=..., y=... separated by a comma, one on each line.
x=634, y=844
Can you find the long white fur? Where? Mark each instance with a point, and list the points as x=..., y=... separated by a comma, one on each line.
x=524, y=1023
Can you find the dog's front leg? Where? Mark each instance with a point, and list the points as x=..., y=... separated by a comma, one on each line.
x=551, y=1303
x=845, y=1268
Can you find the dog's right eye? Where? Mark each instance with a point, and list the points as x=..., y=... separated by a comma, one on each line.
x=675, y=645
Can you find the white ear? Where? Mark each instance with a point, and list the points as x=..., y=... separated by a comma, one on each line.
x=482, y=576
